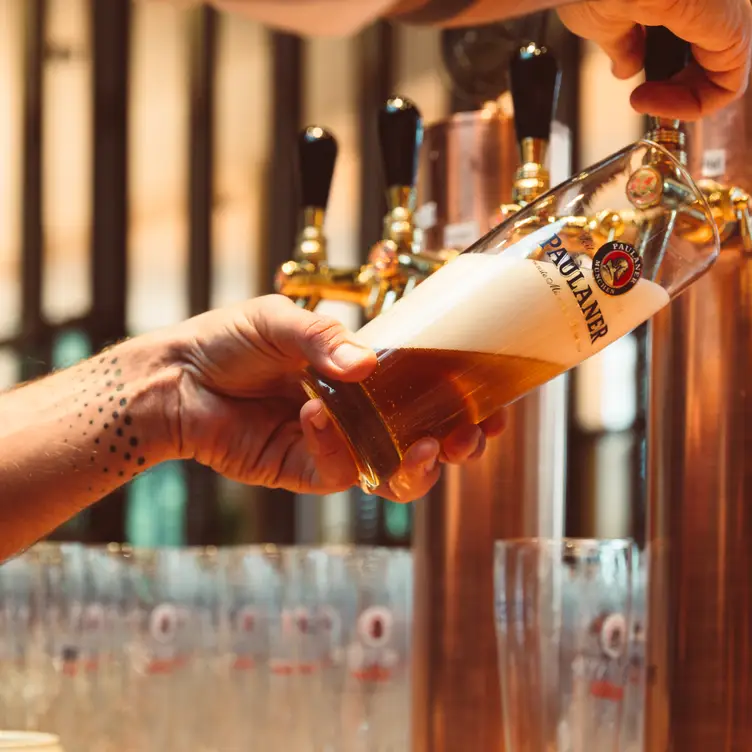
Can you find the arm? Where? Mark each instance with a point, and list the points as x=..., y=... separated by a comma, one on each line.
x=344, y=17
x=221, y=388
x=720, y=32
x=68, y=439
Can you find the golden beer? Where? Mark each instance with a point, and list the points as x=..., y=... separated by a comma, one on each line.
x=416, y=393
x=477, y=335
x=560, y=280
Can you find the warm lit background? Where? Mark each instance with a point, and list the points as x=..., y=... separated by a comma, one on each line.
x=49, y=45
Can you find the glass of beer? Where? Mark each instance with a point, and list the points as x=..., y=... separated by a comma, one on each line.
x=552, y=285
x=565, y=618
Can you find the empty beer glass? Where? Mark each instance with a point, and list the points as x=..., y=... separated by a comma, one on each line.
x=633, y=724
x=365, y=616
x=248, y=576
x=564, y=620
x=549, y=287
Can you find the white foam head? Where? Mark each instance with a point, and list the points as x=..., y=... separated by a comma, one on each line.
x=518, y=307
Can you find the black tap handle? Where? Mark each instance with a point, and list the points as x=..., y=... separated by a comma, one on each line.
x=534, y=78
x=665, y=54
x=317, y=154
x=400, y=135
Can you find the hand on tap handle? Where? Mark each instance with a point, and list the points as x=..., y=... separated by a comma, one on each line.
x=666, y=55
x=719, y=33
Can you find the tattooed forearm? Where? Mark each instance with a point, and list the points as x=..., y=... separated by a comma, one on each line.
x=104, y=418
x=71, y=438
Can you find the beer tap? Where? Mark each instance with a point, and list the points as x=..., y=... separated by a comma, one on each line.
x=534, y=81
x=665, y=56
x=394, y=266
x=534, y=78
x=396, y=263
x=317, y=156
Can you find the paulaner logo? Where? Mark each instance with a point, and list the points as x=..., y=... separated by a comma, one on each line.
x=617, y=267
x=581, y=290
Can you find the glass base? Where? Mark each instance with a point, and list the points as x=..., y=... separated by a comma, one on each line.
x=370, y=442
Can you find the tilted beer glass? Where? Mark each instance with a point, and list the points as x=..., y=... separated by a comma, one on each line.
x=555, y=283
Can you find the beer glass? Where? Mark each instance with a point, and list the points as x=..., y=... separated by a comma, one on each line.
x=564, y=621
x=633, y=724
x=247, y=578
x=366, y=617
x=294, y=693
x=162, y=640
x=28, y=741
x=552, y=285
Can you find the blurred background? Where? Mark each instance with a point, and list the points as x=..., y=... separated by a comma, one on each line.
x=148, y=174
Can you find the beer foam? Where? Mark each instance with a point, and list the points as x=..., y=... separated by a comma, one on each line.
x=517, y=307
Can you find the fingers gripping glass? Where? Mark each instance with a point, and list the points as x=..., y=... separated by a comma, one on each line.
x=551, y=286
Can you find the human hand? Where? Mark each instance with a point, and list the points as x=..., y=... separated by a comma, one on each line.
x=720, y=32
x=243, y=413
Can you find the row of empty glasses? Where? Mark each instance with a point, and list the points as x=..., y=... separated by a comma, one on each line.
x=258, y=648
x=307, y=649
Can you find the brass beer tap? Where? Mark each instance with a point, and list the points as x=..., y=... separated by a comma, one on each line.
x=396, y=263
x=665, y=56
x=393, y=266
x=534, y=77
x=307, y=276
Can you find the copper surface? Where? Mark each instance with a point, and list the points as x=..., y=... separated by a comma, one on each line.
x=467, y=169
x=700, y=506
x=467, y=166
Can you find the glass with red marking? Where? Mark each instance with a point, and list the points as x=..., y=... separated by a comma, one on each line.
x=161, y=645
x=246, y=586
x=296, y=656
x=565, y=622
x=376, y=656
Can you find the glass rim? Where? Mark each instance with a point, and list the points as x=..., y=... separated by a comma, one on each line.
x=539, y=541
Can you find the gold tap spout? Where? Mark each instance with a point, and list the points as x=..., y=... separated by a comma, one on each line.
x=316, y=283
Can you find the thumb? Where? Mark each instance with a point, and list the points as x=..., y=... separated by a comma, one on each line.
x=622, y=40
x=319, y=340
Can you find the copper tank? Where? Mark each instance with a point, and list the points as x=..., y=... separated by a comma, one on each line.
x=466, y=172
x=700, y=475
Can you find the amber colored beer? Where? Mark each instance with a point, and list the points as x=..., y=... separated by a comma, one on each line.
x=478, y=334
x=419, y=392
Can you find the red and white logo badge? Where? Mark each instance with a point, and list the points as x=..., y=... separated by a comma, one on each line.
x=617, y=268
x=645, y=187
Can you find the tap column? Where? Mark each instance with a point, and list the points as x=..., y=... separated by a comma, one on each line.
x=699, y=691
x=517, y=489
